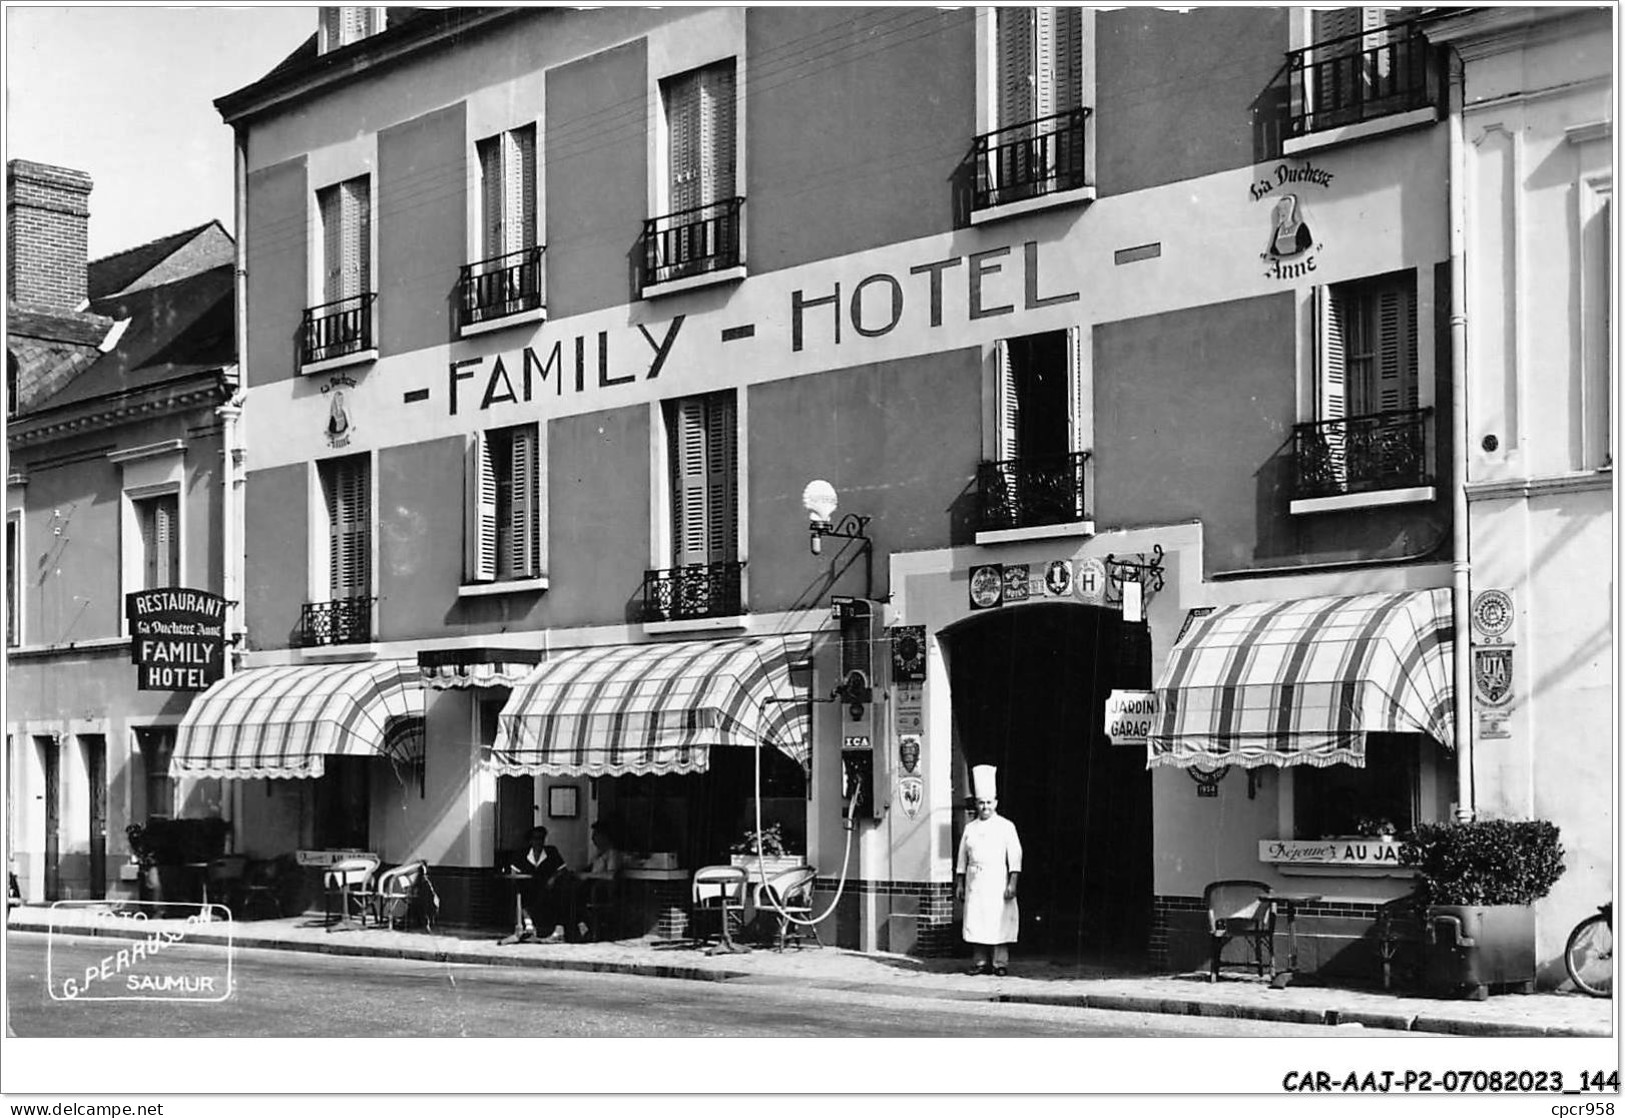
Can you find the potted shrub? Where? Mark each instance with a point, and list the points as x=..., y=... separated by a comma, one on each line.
x=774, y=853
x=1478, y=883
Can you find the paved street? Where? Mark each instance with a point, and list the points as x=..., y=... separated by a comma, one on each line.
x=282, y=994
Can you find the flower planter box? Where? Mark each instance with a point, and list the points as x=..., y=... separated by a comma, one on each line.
x=772, y=864
x=1471, y=950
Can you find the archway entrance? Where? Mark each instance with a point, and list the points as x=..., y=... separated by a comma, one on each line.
x=1029, y=687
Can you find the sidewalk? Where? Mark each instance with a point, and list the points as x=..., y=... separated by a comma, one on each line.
x=1037, y=981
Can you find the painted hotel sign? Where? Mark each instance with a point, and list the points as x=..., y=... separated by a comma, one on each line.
x=177, y=638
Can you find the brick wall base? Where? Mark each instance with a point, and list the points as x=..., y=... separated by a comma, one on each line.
x=1334, y=939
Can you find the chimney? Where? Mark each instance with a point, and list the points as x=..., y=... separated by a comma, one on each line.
x=47, y=234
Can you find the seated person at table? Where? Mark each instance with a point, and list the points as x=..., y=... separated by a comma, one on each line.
x=596, y=882
x=542, y=862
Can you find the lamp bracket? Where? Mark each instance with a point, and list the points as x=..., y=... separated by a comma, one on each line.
x=1148, y=572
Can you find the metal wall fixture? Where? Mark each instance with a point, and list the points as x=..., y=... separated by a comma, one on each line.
x=1143, y=575
x=820, y=501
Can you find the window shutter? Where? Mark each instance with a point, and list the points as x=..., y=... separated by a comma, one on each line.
x=1044, y=60
x=1077, y=437
x=1068, y=59
x=521, y=173
x=166, y=534
x=1014, y=31
x=333, y=27
x=480, y=507
x=1006, y=404
x=491, y=201
x=328, y=203
x=690, y=530
x=717, y=132
x=522, y=510
x=357, y=236
x=683, y=142
x=1332, y=388
x=722, y=479
x=1396, y=348
x=349, y=529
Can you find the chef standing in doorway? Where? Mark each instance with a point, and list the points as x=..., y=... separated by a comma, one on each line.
x=985, y=878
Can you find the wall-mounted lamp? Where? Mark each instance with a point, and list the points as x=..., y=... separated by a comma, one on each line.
x=820, y=501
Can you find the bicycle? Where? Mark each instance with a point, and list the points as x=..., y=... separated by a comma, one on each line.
x=1589, y=955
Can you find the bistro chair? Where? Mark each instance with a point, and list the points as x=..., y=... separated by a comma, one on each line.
x=787, y=894
x=225, y=877
x=261, y=886
x=404, y=893
x=1239, y=910
x=720, y=890
x=350, y=880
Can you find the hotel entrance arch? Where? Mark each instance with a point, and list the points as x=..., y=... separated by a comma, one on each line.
x=1028, y=688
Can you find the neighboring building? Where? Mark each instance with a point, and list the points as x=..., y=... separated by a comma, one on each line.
x=553, y=315
x=119, y=381
x=1536, y=191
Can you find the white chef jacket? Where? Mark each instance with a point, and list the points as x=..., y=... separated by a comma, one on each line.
x=989, y=851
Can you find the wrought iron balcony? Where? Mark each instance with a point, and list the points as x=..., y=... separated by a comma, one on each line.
x=502, y=285
x=1362, y=76
x=686, y=593
x=1031, y=492
x=336, y=329
x=1361, y=455
x=341, y=621
x=1043, y=156
x=692, y=242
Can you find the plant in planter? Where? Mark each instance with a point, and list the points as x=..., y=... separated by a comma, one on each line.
x=1478, y=882
x=773, y=852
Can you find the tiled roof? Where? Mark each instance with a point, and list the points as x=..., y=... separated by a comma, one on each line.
x=66, y=327
x=112, y=274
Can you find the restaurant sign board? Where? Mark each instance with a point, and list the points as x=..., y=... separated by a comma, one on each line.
x=177, y=638
x=1329, y=852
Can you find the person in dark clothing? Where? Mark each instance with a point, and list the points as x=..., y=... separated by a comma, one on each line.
x=542, y=862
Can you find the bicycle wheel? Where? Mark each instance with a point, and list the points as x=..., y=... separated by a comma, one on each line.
x=1589, y=956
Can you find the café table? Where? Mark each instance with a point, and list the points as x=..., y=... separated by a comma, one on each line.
x=1289, y=904
x=518, y=879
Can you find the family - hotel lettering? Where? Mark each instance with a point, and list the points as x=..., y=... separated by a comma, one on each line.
x=875, y=306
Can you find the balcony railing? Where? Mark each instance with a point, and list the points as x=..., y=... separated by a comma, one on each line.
x=1029, y=160
x=341, y=621
x=1362, y=76
x=337, y=329
x=501, y=286
x=691, y=242
x=687, y=593
x=1031, y=492
x=1364, y=454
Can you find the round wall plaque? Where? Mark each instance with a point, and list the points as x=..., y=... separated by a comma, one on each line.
x=1492, y=613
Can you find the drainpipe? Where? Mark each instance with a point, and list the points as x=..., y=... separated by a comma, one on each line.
x=231, y=453
x=1461, y=568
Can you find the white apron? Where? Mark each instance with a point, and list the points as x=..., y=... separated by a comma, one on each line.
x=988, y=852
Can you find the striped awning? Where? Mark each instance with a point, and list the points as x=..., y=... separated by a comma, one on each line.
x=1302, y=682
x=477, y=667
x=283, y=722
x=654, y=708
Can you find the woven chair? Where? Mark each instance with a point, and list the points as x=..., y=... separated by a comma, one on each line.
x=1239, y=910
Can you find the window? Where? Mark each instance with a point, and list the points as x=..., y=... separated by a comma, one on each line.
x=343, y=26
x=704, y=479
x=508, y=191
x=1367, y=347
x=1341, y=800
x=14, y=563
x=1036, y=477
x=504, y=533
x=158, y=521
x=1359, y=65
x=346, y=485
x=700, y=229
x=157, y=744
x=1040, y=63
x=346, y=218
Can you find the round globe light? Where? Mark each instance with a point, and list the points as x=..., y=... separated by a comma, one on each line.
x=819, y=500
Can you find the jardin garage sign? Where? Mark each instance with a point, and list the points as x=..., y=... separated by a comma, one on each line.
x=177, y=638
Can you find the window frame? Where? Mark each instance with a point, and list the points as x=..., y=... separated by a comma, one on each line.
x=14, y=578
x=692, y=41
x=480, y=576
x=988, y=115
x=319, y=584
x=153, y=470
x=1302, y=35
x=329, y=170
x=332, y=33
x=147, y=739
x=1432, y=781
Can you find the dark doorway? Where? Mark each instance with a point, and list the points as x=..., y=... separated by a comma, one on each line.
x=516, y=815
x=95, y=747
x=1029, y=687
x=343, y=803
x=51, y=763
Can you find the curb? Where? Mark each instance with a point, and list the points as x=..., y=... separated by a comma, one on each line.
x=1129, y=1003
